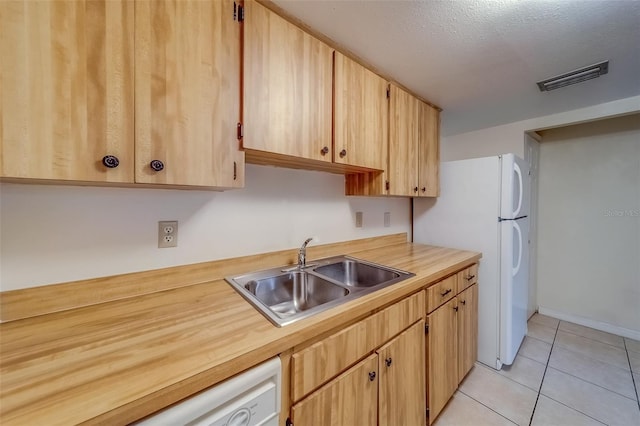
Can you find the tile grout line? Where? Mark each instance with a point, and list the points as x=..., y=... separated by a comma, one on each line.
x=591, y=383
x=573, y=409
x=543, y=374
x=507, y=377
x=633, y=378
x=586, y=355
x=486, y=406
x=595, y=340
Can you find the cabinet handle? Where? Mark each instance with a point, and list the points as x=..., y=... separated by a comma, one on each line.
x=470, y=277
x=464, y=302
x=424, y=189
x=388, y=361
x=415, y=189
x=325, y=150
x=157, y=165
x=445, y=293
x=110, y=161
x=372, y=376
x=343, y=153
x=455, y=308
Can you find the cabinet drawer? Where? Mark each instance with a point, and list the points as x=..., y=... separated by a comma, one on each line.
x=467, y=277
x=320, y=362
x=441, y=292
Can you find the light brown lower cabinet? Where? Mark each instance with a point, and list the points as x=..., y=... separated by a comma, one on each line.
x=452, y=339
x=386, y=388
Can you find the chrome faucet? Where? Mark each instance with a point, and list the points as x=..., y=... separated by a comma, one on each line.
x=302, y=253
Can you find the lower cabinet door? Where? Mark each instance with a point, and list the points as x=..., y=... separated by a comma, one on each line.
x=467, y=330
x=442, y=357
x=350, y=399
x=402, y=387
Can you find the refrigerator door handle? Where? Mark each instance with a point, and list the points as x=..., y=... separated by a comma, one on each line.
x=516, y=269
x=516, y=168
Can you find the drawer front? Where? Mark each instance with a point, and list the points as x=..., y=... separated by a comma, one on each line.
x=320, y=362
x=467, y=277
x=441, y=292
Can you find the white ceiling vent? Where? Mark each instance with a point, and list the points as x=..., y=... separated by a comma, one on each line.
x=573, y=77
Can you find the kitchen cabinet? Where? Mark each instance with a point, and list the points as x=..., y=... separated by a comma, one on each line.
x=350, y=399
x=467, y=330
x=387, y=384
x=187, y=85
x=401, y=392
x=452, y=338
x=81, y=71
x=67, y=98
x=360, y=115
x=287, y=90
x=413, y=145
x=428, y=151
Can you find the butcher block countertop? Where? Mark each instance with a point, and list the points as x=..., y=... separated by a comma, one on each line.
x=115, y=349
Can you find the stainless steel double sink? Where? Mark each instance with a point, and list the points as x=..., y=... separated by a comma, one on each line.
x=287, y=294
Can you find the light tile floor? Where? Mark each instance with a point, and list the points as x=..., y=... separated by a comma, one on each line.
x=564, y=374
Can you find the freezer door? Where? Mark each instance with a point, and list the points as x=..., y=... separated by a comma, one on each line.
x=514, y=286
x=515, y=187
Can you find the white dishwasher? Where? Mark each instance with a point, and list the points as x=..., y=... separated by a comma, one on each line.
x=251, y=398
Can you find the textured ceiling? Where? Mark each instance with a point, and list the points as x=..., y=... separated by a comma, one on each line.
x=480, y=59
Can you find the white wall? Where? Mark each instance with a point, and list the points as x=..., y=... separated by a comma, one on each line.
x=510, y=137
x=589, y=224
x=52, y=234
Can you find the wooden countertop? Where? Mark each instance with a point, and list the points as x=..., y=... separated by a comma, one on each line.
x=115, y=362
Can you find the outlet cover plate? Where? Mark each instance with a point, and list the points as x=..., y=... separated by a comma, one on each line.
x=167, y=233
x=358, y=219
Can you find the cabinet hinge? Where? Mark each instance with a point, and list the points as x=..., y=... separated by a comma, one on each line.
x=288, y=422
x=240, y=14
x=240, y=131
x=388, y=92
x=235, y=170
x=386, y=185
x=426, y=329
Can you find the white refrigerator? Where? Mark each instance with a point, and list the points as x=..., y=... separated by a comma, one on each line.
x=484, y=206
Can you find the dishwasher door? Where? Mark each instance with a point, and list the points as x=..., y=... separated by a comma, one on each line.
x=251, y=398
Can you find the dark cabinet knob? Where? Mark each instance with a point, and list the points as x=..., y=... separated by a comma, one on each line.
x=388, y=361
x=444, y=293
x=372, y=376
x=343, y=153
x=464, y=302
x=157, y=165
x=415, y=189
x=424, y=189
x=470, y=277
x=110, y=161
x=455, y=308
x=325, y=150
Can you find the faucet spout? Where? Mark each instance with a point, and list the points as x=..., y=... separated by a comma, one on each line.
x=302, y=253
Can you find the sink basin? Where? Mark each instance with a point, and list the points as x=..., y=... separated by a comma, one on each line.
x=356, y=273
x=288, y=294
x=294, y=292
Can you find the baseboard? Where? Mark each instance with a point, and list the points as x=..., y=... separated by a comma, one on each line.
x=598, y=325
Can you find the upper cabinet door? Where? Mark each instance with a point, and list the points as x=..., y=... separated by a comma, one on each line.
x=287, y=87
x=429, y=151
x=66, y=97
x=404, y=116
x=187, y=93
x=361, y=115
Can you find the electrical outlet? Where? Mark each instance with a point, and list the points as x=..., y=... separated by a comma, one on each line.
x=168, y=234
x=358, y=219
x=387, y=219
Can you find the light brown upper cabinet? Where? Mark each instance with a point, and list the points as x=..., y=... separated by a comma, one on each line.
x=67, y=97
x=404, y=119
x=360, y=115
x=429, y=152
x=413, y=146
x=188, y=93
x=287, y=89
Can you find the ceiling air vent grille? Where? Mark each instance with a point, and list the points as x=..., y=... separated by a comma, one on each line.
x=573, y=77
